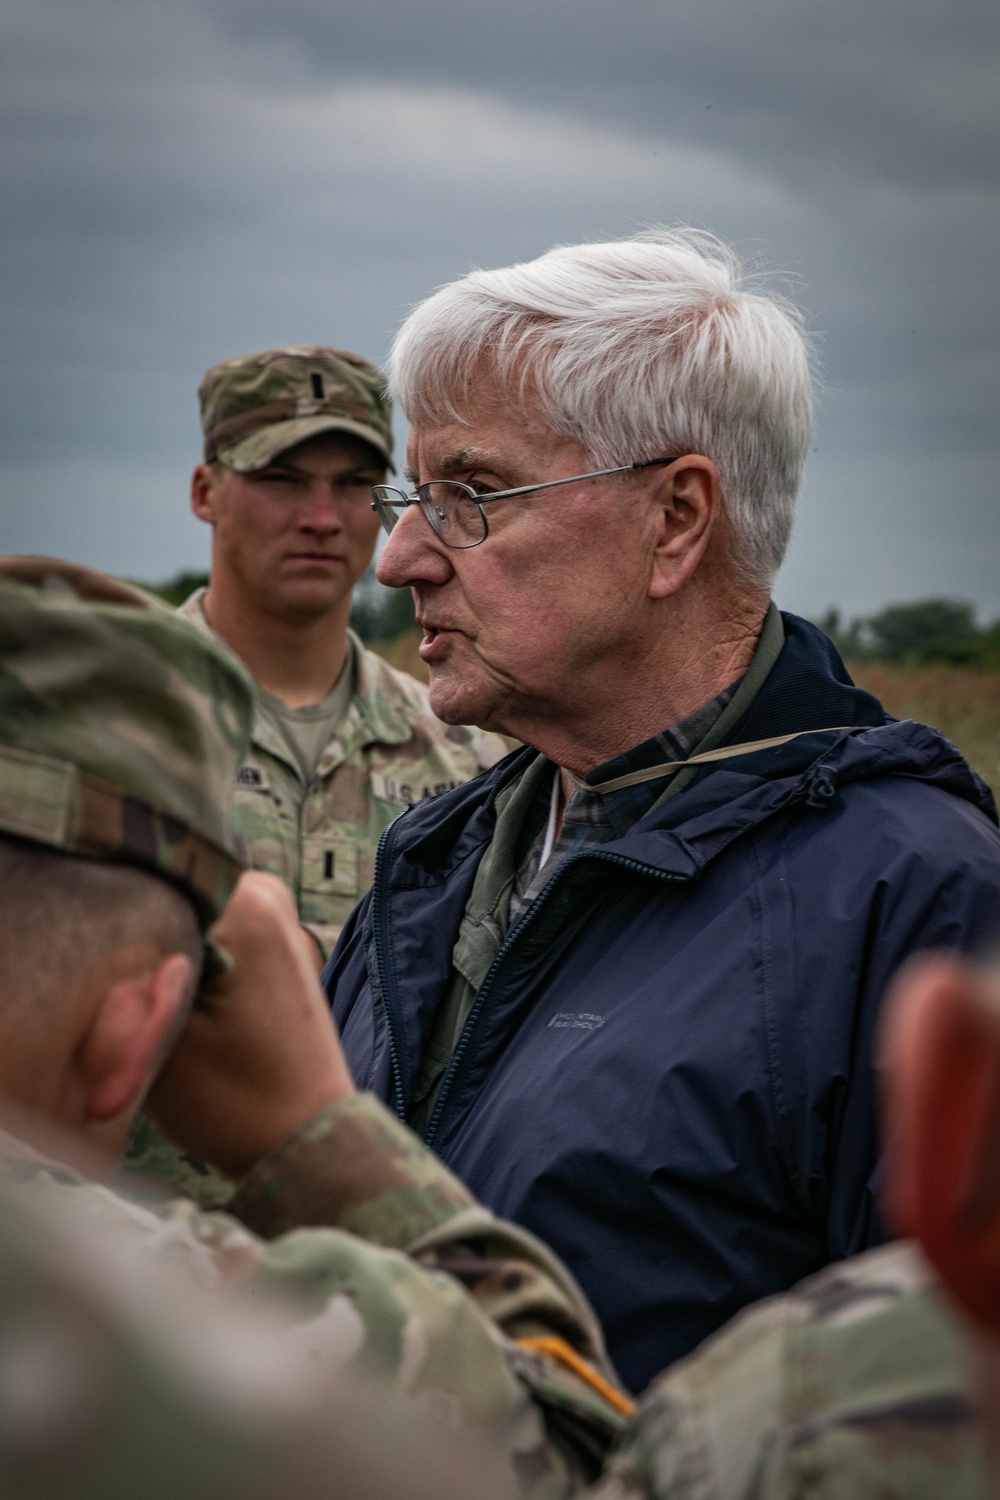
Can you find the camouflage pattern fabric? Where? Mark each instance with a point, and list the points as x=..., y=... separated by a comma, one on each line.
x=851, y=1387
x=121, y=727
x=109, y=1387
x=359, y=1222
x=390, y=750
x=149, y=1154
x=121, y=1375
x=255, y=406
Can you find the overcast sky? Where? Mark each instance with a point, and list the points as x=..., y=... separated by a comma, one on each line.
x=185, y=180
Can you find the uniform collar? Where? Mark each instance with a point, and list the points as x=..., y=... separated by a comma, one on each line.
x=377, y=697
x=261, y=734
x=375, y=712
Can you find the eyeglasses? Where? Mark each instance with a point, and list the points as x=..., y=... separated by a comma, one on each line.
x=454, y=510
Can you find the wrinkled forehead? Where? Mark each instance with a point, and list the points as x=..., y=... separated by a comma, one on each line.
x=489, y=428
x=450, y=459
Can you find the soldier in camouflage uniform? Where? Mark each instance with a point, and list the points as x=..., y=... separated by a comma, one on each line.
x=120, y=1376
x=341, y=741
x=121, y=728
x=294, y=440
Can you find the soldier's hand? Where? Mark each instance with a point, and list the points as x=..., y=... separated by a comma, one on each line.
x=940, y=1057
x=259, y=1055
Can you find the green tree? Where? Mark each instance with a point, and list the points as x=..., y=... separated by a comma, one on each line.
x=920, y=633
x=928, y=630
x=176, y=589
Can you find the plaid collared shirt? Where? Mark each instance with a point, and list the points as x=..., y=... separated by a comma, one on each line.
x=592, y=818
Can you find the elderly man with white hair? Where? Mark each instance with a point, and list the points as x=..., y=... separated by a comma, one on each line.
x=625, y=983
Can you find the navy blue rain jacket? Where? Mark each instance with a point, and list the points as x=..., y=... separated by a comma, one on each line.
x=667, y=1073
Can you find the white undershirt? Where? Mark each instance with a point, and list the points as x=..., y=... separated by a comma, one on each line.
x=550, y=831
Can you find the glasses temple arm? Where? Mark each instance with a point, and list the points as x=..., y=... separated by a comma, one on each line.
x=550, y=484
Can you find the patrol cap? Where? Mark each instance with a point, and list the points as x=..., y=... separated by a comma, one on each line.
x=122, y=727
x=256, y=406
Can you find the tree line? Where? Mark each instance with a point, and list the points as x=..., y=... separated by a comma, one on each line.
x=926, y=632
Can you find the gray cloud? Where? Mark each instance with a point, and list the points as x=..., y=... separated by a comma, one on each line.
x=899, y=89
x=184, y=182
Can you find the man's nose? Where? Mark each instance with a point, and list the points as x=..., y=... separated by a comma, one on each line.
x=322, y=510
x=411, y=553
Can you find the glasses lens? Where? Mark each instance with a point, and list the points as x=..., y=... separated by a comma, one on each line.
x=390, y=504
x=453, y=512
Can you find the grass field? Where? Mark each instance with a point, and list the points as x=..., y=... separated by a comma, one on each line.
x=962, y=703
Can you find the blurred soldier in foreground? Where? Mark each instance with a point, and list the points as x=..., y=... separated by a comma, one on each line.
x=121, y=729
x=294, y=440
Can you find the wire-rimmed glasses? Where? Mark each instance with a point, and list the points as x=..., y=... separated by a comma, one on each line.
x=455, y=511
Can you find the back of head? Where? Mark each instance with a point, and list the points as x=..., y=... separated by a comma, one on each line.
x=636, y=348
x=62, y=918
x=122, y=727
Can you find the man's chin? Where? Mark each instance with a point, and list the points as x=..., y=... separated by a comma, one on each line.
x=455, y=700
x=446, y=703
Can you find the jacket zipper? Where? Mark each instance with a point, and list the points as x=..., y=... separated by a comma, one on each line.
x=380, y=929
x=435, y=1122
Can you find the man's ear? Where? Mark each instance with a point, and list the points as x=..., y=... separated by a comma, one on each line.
x=941, y=1060
x=689, y=495
x=202, y=493
x=116, y=1059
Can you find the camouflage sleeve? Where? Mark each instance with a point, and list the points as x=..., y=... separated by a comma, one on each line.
x=393, y=1274
x=356, y=1168
x=122, y=1377
x=850, y=1387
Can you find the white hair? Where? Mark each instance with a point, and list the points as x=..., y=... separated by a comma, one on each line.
x=637, y=348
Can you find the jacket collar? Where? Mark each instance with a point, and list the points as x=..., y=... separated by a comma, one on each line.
x=807, y=688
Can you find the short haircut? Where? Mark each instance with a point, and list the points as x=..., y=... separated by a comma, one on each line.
x=637, y=348
x=61, y=915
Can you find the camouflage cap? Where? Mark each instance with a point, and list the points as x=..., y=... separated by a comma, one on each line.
x=122, y=727
x=256, y=406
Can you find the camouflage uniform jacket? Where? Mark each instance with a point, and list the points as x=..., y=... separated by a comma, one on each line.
x=848, y=1388
x=390, y=750
x=353, y=1222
